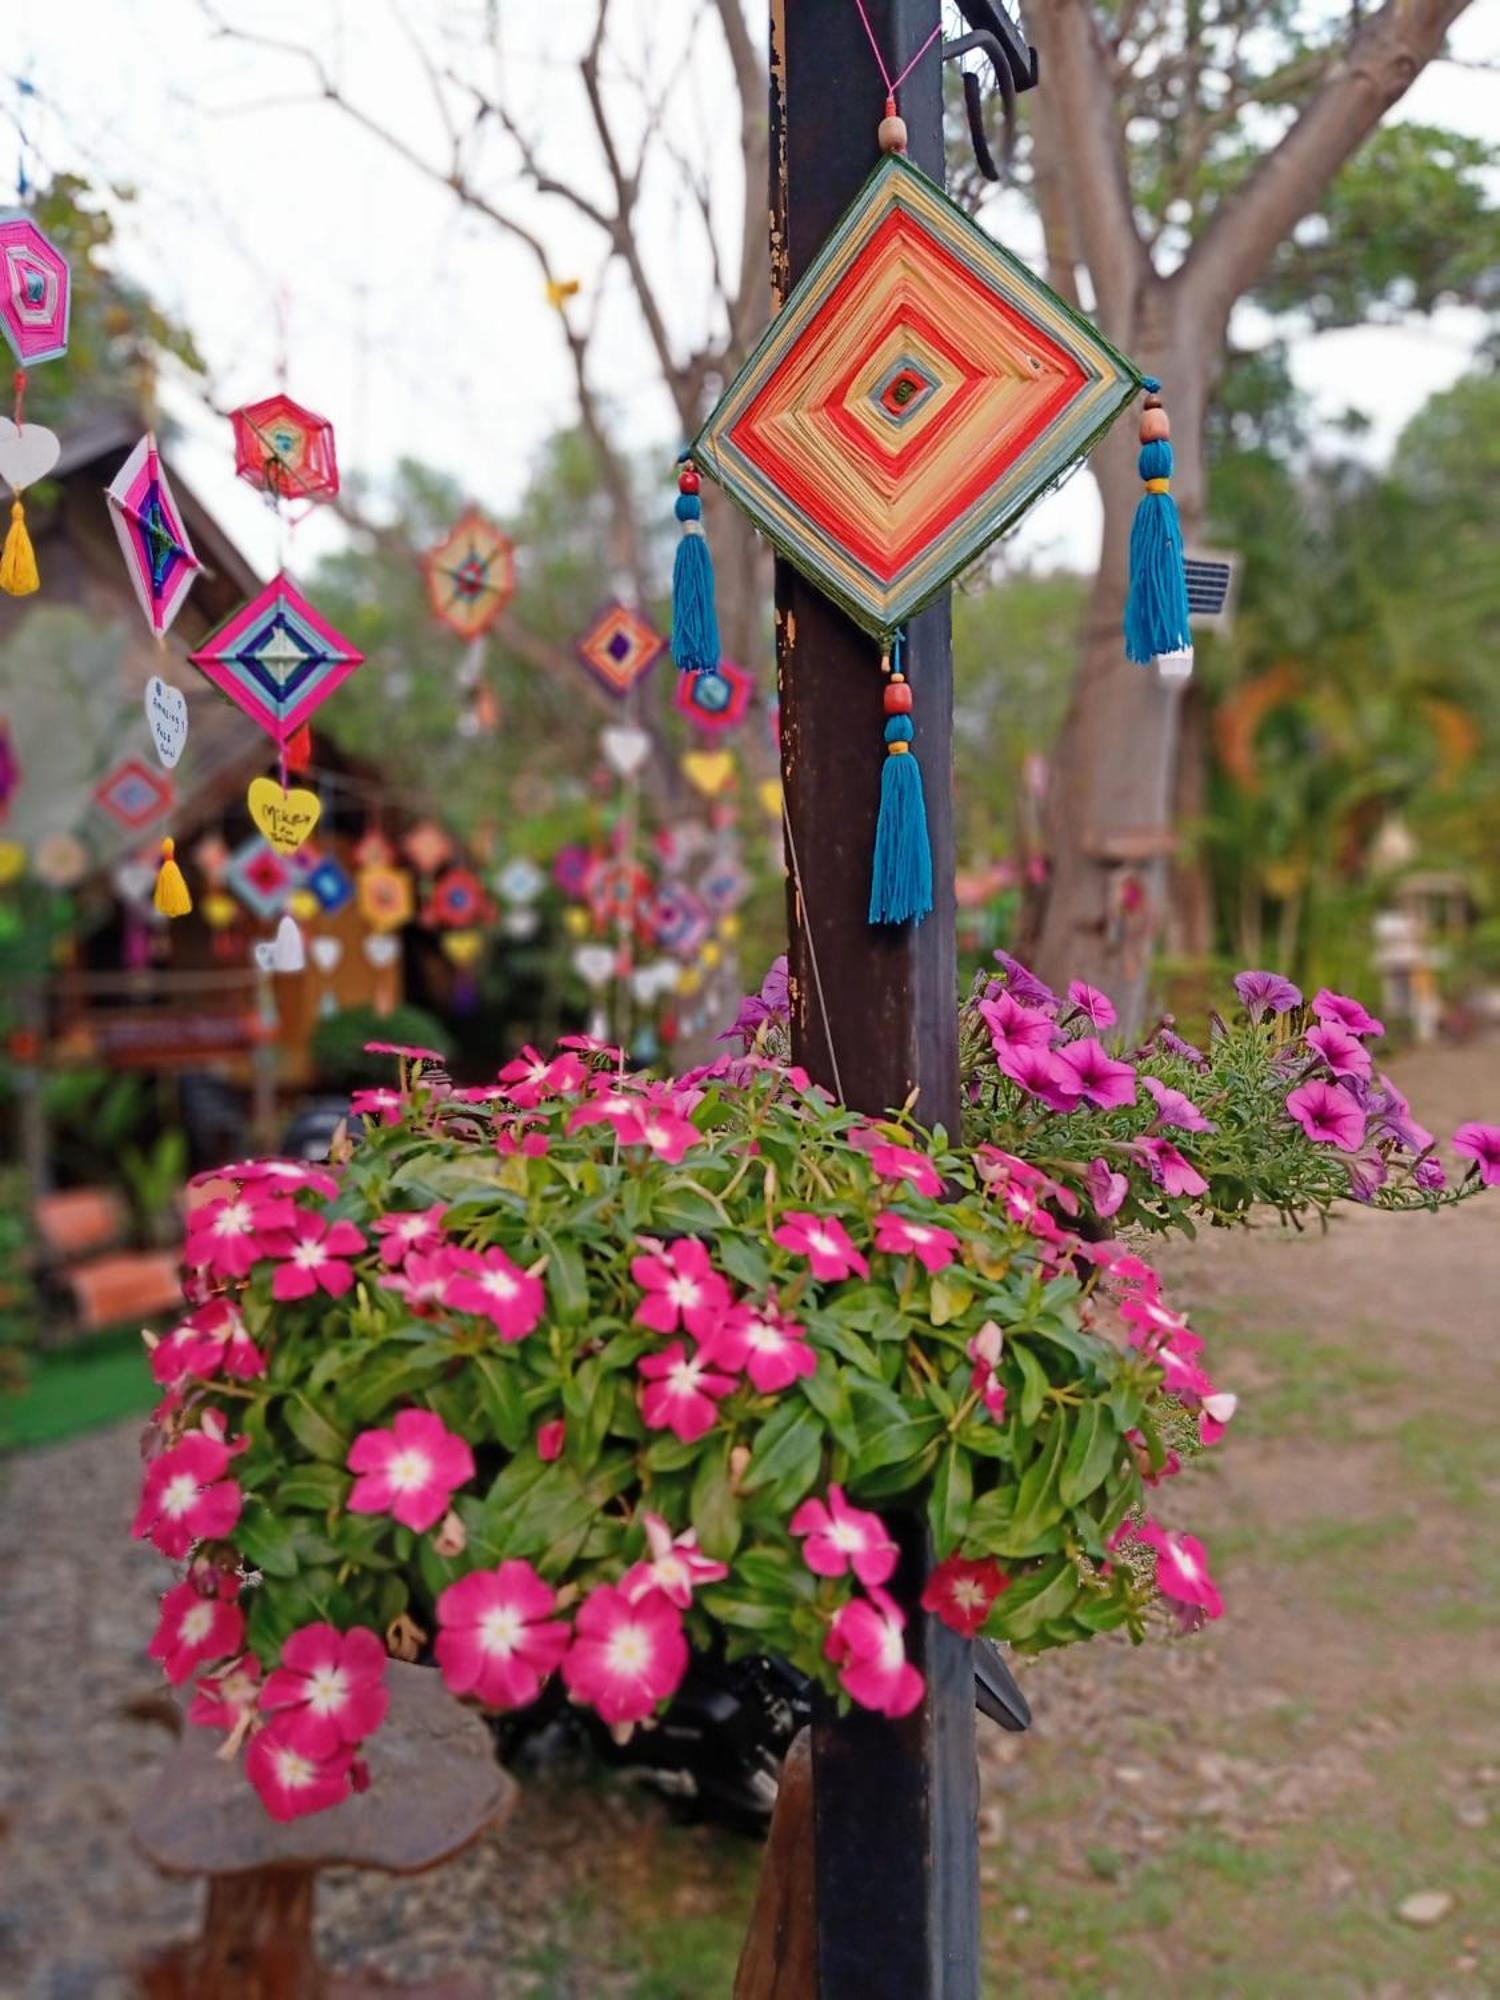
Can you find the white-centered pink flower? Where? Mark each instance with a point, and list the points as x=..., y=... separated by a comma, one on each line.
x=385, y=1106
x=315, y=1257
x=498, y=1638
x=487, y=1283
x=193, y=1631
x=866, y=1642
x=824, y=1242
x=186, y=1498
x=962, y=1592
x=682, y=1391
x=329, y=1689
x=898, y=1236
x=984, y=1350
x=227, y=1238
x=1182, y=1568
x=410, y=1471
x=681, y=1288
x=669, y=1135
x=626, y=1659
x=760, y=1341
x=425, y=1279
x=674, y=1567
x=211, y=1341
x=228, y=1698
x=529, y=1078
x=409, y=1229
x=841, y=1537
x=292, y=1784
x=893, y=1162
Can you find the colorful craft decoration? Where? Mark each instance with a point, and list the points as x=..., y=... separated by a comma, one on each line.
x=286, y=818
x=625, y=748
x=260, y=878
x=159, y=558
x=60, y=860
x=28, y=453
x=620, y=648
x=1158, y=621
x=710, y=771
x=427, y=847
x=277, y=658
x=385, y=897
x=35, y=291
x=717, y=699
x=133, y=795
x=681, y=920
x=520, y=881
x=285, y=450
x=457, y=901
x=330, y=885
x=167, y=720
x=470, y=575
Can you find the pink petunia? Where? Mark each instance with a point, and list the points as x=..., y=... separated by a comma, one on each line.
x=609, y=1102
x=669, y=1135
x=897, y=1236
x=551, y=1438
x=1013, y=1026
x=1096, y=1007
x=530, y=1077
x=1182, y=1569
x=841, y=1538
x=290, y=1783
x=424, y=1280
x=1106, y=1188
x=682, y=1288
x=962, y=1592
x=1099, y=1076
x=227, y=1238
x=865, y=1642
x=329, y=1690
x=406, y=1230
x=1328, y=1114
x=675, y=1568
x=499, y=1639
x=316, y=1258
x=211, y=1341
x=1171, y=1169
x=626, y=1659
x=407, y=1051
x=410, y=1471
x=1341, y=1010
x=186, y=1497
x=388, y=1107
x=681, y=1393
x=1345, y=1054
x=489, y=1284
x=1173, y=1107
x=773, y=1350
x=1041, y=1073
x=1481, y=1144
x=1266, y=992
x=984, y=1351
x=193, y=1631
x=901, y=1163
x=227, y=1699
x=1157, y=1325
x=824, y=1242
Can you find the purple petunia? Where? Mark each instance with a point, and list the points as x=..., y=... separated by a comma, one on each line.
x=1266, y=993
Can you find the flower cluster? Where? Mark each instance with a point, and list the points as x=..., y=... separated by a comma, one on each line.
x=564, y=1376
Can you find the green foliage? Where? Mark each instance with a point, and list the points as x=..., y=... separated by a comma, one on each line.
x=338, y=1043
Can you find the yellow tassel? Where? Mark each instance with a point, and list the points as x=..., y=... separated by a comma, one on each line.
x=172, y=897
x=18, y=572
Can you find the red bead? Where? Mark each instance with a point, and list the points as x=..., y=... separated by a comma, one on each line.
x=688, y=480
x=898, y=697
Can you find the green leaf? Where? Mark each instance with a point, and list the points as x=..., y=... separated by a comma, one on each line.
x=266, y=1541
x=566, y=1278
x=787, y=1455
x=317, y=1488
x=951, y=1497
x=501, y=1400
x=312, y=1429
x=1034, y=1384
x=715, y=1510
x=949, y=1298
x=589, y=1401
x=391, y=1378
x=743, y=1258
x=1034, y=1600
x=1091, y=1453
x=1038, y=1505
x=828, y=1392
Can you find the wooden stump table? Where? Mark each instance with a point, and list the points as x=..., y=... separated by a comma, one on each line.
x=435, y=1787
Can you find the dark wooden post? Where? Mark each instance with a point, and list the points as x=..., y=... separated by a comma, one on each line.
x=874, y=1015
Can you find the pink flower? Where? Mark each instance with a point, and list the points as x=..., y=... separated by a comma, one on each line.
x=841, y=1537
x=963, y=1593
x=1216, y=1409
x=1099, y=1077
x=193, y=1630
x=408, y=1230
x=1106, y=1189
x=329, y=1690
x=770, y=1348
x=608, y=1102
x=683, y=1290
x=531, y=1077
x=676, y=1568
x=499, y=1639
x=984, y=1351
x=284, y=1177
x=666, y=1132
x=1173, y=1108
x=901, y=1163
x=1041, y=1073
x=316, y=1252
x=550, y=1440
x=290, y=1783
x=1342, y=1011
x=1481, y=1144
x=227, y=1699
x=226, y=1238
x=626, y=1658
x=423, y=1281
x=1182, y=1569
x=681, y=1395
x=1013, y=1026
x=824, y=1242
x=489, y=1284
x=211, y=1341
x=934, y=1248
x=410, y=1471
x=1344, y=1053
x=1328, y=1115
x=1159, y=1325
x=1262, y=992
x=865, y=1642
x=1172, y=1170
x=186, y=1498
x=1432, y=1176
x=405, y=1050
x=1096, y=1006
x=388, y=1106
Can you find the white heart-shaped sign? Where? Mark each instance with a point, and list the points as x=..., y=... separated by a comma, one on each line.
x=290, y=955
x=326, y=952
x=594, y=963
x=664, y=974
x=265, y=954
x=27, y=454
x=381, y=950
x=167, y=719
x=625, y=748
x=135, y=881
x=520, y=924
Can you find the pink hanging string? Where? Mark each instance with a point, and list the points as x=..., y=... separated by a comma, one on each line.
x=894, y=83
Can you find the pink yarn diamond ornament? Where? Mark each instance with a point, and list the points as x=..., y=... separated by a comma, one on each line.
x=35, y=290
x=278, y=659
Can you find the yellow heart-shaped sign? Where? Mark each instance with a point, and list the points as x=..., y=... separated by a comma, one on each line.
x=769, y=794
x=285, y=818
x=709, y=770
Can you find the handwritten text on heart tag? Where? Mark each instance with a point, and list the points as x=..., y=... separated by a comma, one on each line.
x=285, y=818
x=167, y=719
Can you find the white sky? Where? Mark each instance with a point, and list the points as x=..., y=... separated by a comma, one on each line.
x=273, y=226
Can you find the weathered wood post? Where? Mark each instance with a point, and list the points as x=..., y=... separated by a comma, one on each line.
x=874, y=1015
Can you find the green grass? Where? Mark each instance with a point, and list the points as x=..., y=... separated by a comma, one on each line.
x=77, y=1389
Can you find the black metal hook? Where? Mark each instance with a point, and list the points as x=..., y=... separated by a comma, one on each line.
x=1014, y=62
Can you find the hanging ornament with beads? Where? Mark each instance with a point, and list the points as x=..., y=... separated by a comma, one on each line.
x=35, y=299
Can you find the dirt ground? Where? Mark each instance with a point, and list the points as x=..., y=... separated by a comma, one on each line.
x=1242, y=1816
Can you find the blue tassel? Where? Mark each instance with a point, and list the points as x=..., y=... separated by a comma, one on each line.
x=695, y=616
x=901, y=883
x=1156, y=612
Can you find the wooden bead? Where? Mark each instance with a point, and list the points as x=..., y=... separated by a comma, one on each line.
x=1153, y=401
x=1155, y=425
x=688, y=480
x=892, y=135
x=898, y=697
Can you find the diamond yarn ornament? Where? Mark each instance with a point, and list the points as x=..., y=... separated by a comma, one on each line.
x=133, y=795
x=717, y=699
x=158, y=556
x=285, y=450
x=470, y=575
x=386, y=897
x=620, y=648
x=277, y=658
x=35, y=290
x=260, y=878
x=917, y=393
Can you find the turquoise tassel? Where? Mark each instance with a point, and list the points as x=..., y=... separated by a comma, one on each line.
x=1156, y=612
x=695, y=616
x=901, y=883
